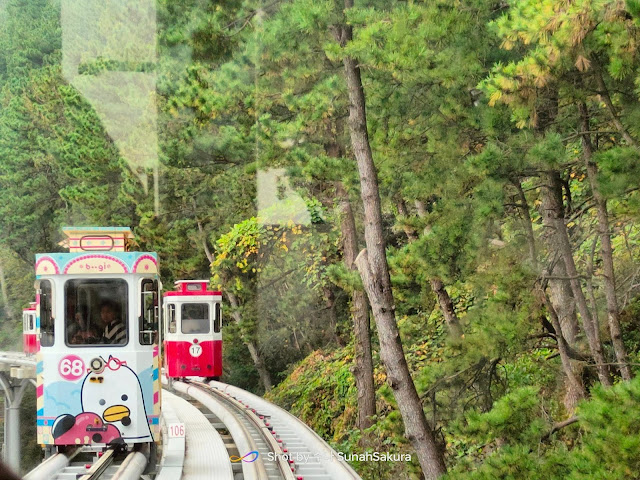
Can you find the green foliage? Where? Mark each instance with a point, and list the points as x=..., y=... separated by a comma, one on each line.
x=606, y=448
x=619, y=167
x=320, y=391
x=238, y=369
x=612, y=427
x=31, y=452
x=510, y=419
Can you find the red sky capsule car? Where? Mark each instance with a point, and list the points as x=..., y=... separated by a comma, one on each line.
x=29, y=343
x=192, y=337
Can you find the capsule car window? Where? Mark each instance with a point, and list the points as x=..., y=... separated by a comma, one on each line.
x=47, y=321
x=195, y=318
x=96, y=312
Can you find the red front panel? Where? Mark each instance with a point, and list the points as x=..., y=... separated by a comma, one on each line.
x=29, y=343
x=182, y=359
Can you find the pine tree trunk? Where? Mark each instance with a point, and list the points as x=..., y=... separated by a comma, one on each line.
x=588, y=270
x=575, y=388
x=203, y=239
x=528, y=227
x=561, y=308
x=606, y=250
x=374, y=270
x=421, y=208
x=444, y=300
x=561, y=297
x=552, y=194
x=265, y=377
x=563, y=302
x=409, y=231
x=604, y=95
x=417, y=428
x=5, y=296
x=330, y=303
x=363, y=369
x=446, y=306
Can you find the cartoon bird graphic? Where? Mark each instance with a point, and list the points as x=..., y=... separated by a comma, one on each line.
x=112, y=390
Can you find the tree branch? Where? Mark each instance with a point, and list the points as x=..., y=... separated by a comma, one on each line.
x=561, y=425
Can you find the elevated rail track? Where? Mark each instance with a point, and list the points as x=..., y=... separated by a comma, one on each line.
x=226, y=430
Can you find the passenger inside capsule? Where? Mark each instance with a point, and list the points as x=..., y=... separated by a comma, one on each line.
x=96, y=312
x=80, y=331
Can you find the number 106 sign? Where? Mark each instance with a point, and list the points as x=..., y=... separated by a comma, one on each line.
x=176, y=430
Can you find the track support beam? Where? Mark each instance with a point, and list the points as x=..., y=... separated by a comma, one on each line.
x=13, y=392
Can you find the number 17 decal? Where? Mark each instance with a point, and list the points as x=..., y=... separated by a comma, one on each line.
x=195, y=350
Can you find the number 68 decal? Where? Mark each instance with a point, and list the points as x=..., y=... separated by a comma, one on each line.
x=71, y=367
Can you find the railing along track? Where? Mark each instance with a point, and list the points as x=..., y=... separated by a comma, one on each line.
x=251, y=433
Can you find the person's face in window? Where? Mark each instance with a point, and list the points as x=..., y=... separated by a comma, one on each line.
x=107, y=315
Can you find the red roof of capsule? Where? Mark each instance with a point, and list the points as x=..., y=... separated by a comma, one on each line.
x=191, y=288
x=32, y=306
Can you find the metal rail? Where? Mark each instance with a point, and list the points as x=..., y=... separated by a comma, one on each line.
x=107, y=467
x=267, y=432
x=241, y=436
x=311, y=455
x=248, y=430
x=52, y=465
x=100, y=466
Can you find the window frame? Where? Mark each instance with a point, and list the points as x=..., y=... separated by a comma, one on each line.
x=171, y=319
x=126, y=310
x=154, y=321
x=207, y=318
x=217, y=319
x=48, y=300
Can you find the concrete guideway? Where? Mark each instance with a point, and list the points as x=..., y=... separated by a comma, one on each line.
x=173, y=448
x=288, y=448
x=245, y=439
x=205, y=450
x=18, y=365
x=313, y=457
x=105, y=467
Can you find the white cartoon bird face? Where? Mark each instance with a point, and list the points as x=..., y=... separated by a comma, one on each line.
x=113, y=392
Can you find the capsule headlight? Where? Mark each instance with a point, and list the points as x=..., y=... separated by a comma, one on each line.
x=97, y=365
